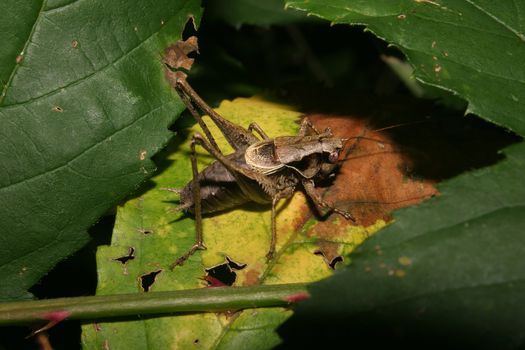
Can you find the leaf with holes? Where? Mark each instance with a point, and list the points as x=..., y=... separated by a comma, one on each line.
x=83, y=107
x=238, y=240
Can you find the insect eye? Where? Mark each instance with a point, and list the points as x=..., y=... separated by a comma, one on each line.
x=333, y=157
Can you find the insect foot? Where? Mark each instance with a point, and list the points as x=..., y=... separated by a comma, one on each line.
x=269, y=255
x=260, y=169
x=182, y=259
x=345, y=214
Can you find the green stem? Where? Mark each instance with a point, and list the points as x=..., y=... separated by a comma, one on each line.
x=193, y=300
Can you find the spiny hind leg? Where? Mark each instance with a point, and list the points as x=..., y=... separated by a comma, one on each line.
x=237, y=136
x=182, y=89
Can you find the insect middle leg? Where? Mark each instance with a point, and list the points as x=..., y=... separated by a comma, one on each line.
x=273, y=241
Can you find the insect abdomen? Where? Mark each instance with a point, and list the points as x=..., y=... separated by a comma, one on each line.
x=218, y=191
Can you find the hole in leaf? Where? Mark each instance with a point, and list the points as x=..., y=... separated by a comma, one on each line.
x=147, y=280
x=334, y=261
x=235, y=265
x=330, y=262
x=223, y=274
x=124, y=259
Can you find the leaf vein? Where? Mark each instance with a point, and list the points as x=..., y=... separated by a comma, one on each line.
x=60, y=8
x=497, y=19
x=67, y=164
x=26, y=44
x=87, y=77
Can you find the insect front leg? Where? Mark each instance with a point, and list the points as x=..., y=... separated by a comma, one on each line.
x=309, y=187
x=307, y=128
x=196, y=189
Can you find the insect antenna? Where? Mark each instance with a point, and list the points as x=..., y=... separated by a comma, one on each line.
x=401, y=124
x=381, y=141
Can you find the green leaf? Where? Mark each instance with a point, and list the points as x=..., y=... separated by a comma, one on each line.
x=261, y=13
x=472, y=48
x=84, y=106
x=451, y=269
x=159, y=236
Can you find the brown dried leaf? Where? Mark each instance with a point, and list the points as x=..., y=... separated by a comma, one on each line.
x=176, y=58
x=374, y=180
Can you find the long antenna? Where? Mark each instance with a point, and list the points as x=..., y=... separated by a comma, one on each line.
x=362, y=137
x=400, y=124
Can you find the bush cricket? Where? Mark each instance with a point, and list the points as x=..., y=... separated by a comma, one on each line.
x=261, y=169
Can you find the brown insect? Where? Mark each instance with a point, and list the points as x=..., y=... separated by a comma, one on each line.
x=261, y=169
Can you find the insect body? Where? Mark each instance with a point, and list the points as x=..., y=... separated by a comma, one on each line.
x=270, y=156
x=262, y=171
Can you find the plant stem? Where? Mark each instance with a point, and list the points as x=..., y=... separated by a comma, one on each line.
x=193, y=300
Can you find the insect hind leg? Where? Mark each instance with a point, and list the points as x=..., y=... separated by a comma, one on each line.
x=199, y=241
x=186, y=97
